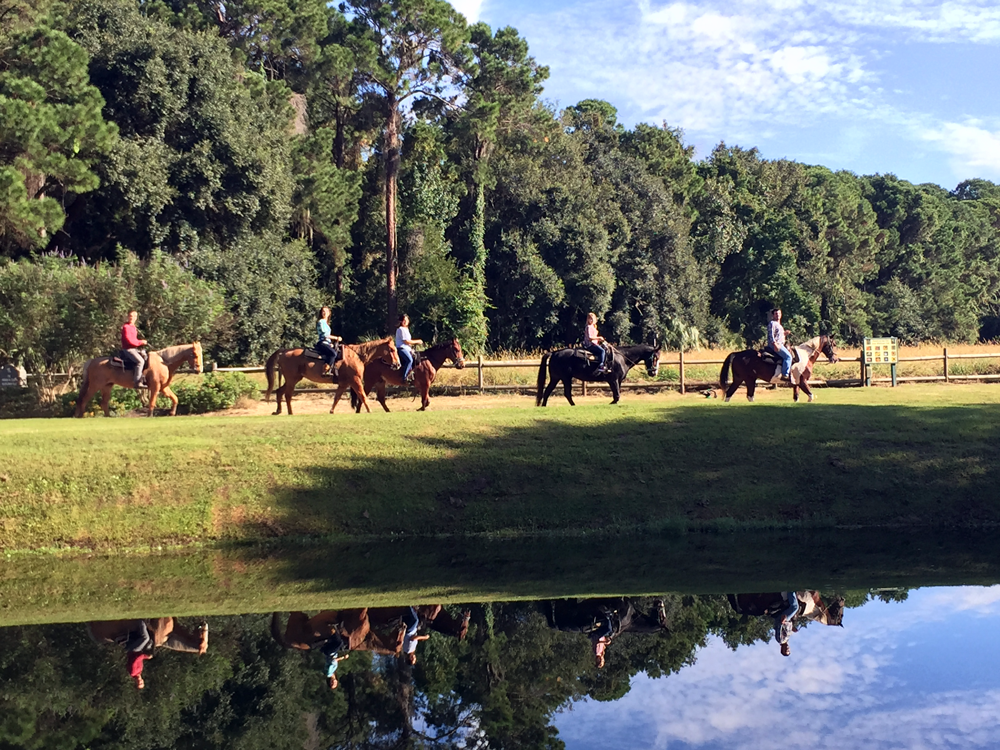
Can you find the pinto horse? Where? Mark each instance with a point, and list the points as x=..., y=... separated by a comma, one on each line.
x=566, y=364
x=100, y=374
x=292, y=365
x=377, y=375
x=750, y=365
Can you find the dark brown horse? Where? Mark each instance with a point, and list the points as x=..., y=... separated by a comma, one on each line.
x=378, y=375
x=292, y=365
x=750, y=365
x=566, y=364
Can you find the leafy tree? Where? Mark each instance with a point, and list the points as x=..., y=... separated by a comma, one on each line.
x=52, y=133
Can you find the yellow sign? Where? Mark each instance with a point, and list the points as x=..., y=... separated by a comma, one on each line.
x=884, y=351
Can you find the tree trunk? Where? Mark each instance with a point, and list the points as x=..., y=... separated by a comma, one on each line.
x=391, y=173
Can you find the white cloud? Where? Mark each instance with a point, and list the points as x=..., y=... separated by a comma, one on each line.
x=471, y=9
x=974, y=150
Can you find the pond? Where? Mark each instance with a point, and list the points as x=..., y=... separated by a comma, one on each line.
x=882, y=668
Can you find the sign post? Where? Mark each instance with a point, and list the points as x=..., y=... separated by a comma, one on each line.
x=882, y=351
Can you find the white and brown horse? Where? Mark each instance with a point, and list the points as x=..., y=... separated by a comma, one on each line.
x=750, y=365
x=101, y=374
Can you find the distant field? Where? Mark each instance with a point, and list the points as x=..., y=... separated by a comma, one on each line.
x=920, y=456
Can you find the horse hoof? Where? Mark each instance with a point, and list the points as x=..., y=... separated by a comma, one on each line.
x=811, y=398
x=750, y=399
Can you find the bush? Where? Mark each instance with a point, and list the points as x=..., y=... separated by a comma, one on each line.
x=215, y=392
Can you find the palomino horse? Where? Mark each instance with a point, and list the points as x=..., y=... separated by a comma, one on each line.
x=566, y=364
x=377, y=375
x=292, y=365
x=750, y=365
x=99, y=374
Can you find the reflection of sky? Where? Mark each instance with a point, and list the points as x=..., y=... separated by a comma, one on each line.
x=924, y=673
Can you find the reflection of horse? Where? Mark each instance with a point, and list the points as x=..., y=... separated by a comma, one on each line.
x=603, y=620
x=165, y=632
x=566, y=364
x=376, y=629
x=377, y=374
x=292, y=365
x=750, y=365
x=812, y=606
x=100, y=374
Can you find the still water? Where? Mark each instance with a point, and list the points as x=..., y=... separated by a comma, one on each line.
x=865, y=669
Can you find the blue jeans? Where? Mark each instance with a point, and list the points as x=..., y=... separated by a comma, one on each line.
x=598, y=351
x=786, y=358
x=405, y=360
x=329, y=352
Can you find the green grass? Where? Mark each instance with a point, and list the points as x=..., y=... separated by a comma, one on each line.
x=913, y=457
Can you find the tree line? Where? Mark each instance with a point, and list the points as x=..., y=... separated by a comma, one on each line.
x=384, y=155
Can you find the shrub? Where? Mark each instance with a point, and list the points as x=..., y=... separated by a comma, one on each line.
x=215, y=392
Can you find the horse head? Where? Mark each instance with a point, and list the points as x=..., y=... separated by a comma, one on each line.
x=826, y=346
x=653, y=362
x=393, y=354
x=456, y=354
x=835, y=611
x=197, y=362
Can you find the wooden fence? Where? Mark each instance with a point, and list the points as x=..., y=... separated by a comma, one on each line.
x=683, y=362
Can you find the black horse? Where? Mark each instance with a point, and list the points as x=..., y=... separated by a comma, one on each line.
x=566, y=364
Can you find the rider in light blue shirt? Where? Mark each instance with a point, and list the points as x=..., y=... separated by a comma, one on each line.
x=325, y=341
x=776, y=342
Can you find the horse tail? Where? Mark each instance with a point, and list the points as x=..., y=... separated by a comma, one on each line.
x=276, y=630
x=355, y=401
x=269, y=369
x=724, y=375
x=84, y=387
x=541, y=379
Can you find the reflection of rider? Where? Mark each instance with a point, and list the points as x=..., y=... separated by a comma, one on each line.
x=325, y=343
x=132, y=345
x=139, y=647
x=776, y=342
x=410, y=638
x=331, y=650
x=404, y=345
x=784, y=621
x=592, y=343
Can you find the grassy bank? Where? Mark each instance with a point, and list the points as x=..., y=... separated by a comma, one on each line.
x=920, y=456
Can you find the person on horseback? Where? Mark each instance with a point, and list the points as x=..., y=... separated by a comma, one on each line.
x=132, y=348
x=325, y=343
x=776, y=342
x=592, y=343
x=404, y=346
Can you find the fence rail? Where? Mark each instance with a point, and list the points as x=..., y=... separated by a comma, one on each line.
x=684, y=364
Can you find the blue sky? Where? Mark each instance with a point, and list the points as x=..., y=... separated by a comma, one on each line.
x=919, y=674
x=901, y=86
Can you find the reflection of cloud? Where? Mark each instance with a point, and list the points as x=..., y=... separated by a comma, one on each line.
x=841, y=683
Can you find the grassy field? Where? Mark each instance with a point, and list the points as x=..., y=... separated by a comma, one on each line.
x=913, y=457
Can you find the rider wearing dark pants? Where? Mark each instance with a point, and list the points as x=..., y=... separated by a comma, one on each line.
x=592, y=343
x=325, y=343
x=131, y=347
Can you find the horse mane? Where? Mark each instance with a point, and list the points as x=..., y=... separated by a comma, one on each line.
x=812, y=344
x=365, y=348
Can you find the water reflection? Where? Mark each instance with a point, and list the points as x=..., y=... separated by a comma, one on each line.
x=674, y=670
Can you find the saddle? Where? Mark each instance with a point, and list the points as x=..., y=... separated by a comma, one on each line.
x=591, y=359
x=773, y=360
x=311, y=353
x=122, y=362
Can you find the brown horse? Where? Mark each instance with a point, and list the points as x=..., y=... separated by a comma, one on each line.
x=377, y=375
x=352, y=368
x=750, y=365
x=292, y=365
x=100, y=374
x=166, y=632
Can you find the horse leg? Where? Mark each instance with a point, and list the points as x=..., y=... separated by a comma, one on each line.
x=289, y=386
x=83, y=399
x=751, y=388
x=424, y=386
x=173, y=400
x=806, y=389
x=568, y=390
x=737, y=381
x=154, y=391
x=616, y=390
x=336, y=397
x=279, y=394
x=548, y=390
x=106, y=399
x=359, y=389
x=380, y=395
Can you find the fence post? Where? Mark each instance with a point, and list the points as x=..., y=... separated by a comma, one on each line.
x=479, y=368
x=864, y=382
x=946, y=378
x=682, y=369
